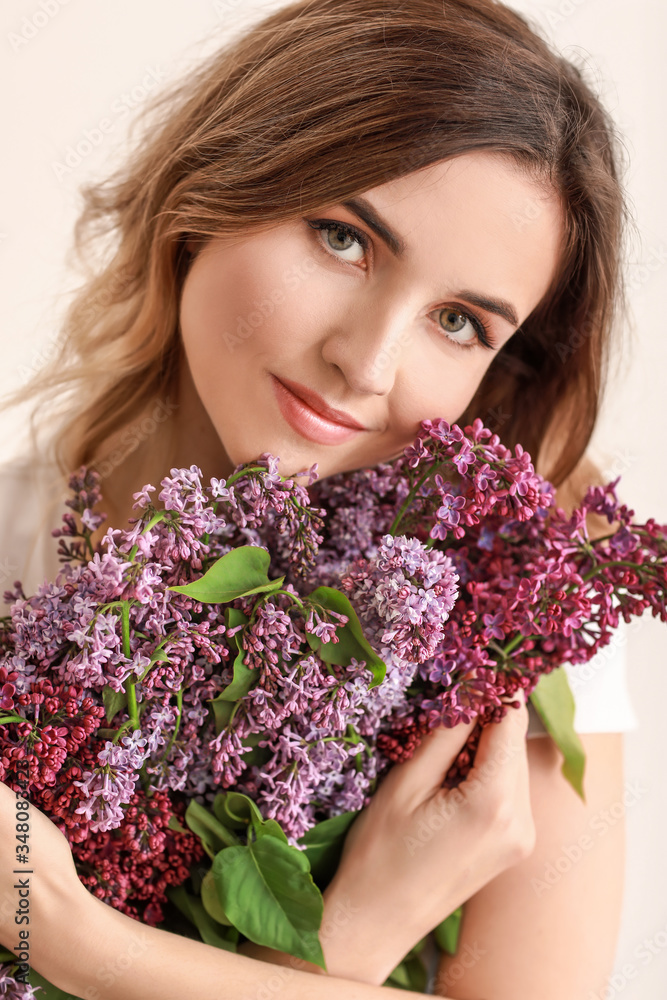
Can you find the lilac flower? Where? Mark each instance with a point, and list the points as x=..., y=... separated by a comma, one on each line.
x=111, y=786
x=448, y=512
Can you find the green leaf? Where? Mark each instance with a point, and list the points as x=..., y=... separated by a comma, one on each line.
x=411, y=974
x=236, y=811
x=271, y=828
x=324, y=845
x=11, y=718
x=240, y=572
x=7, y=956
x=244, y=678
x=268, y=893
x=222, y=711
x=114, y=702
x=351, y=638
x=211, y=900
x=193, y=909
x=159, y=656
x=258, y=756
x=234, y=617
x=213, y=835
x=554, y=702
x=173, y=824
x=447, y=933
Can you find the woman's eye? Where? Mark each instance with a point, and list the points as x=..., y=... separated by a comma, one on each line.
x=454, y=321
x=339, y=238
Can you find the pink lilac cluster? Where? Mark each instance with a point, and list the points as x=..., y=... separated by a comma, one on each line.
x=15, y=989
x=468, y=583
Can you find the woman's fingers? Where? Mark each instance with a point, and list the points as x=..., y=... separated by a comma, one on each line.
x=422, y=775
x=504, y=741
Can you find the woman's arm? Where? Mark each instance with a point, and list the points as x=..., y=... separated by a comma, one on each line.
x=548, y=926
x=105, y=955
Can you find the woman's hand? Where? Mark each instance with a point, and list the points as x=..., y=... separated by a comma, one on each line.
x=419, y=851
x=41, y=887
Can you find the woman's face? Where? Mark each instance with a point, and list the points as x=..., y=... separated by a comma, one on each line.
x=380, y=318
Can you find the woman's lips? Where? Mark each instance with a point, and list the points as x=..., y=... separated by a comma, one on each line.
x=307, y=421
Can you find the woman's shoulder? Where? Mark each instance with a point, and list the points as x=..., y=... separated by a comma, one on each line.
x=32, y=493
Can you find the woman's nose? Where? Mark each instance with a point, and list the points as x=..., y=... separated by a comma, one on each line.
x=369, y=351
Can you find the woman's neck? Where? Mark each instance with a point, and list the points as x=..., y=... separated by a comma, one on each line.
x=169, y=433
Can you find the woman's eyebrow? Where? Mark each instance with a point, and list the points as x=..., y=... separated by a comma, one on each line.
x=365, y=211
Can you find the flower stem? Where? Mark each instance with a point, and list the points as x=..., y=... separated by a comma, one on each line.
x=408, y=500
x=179, y=702
x=618, y=562
x=130, y=690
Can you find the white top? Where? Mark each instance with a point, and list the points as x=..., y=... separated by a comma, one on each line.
x=31, y=504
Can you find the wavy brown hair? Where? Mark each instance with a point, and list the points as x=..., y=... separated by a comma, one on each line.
x=317, y=102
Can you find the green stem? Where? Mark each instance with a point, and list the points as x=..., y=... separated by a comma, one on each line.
x=179, y=702
x=130, y=690
x=244, y=472
x=119, y=732
x=88, y=543
x=159, y=515
x=513, y=643
x=617, y=562
x=408, y=500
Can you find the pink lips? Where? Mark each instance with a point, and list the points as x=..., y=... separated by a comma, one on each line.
x=310, y=416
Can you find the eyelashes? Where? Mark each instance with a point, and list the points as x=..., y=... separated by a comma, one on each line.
x=330, y=226
x=481, y=328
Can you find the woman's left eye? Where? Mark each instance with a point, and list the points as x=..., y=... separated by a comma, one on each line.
x=449, y=315
x=337, y=234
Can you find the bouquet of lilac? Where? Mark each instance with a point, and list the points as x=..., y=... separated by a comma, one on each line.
x=205, y=701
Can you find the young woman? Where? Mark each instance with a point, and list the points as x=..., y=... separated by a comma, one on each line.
x=351, y=218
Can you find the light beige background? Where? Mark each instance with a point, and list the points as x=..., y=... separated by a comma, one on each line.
x=69, y=65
